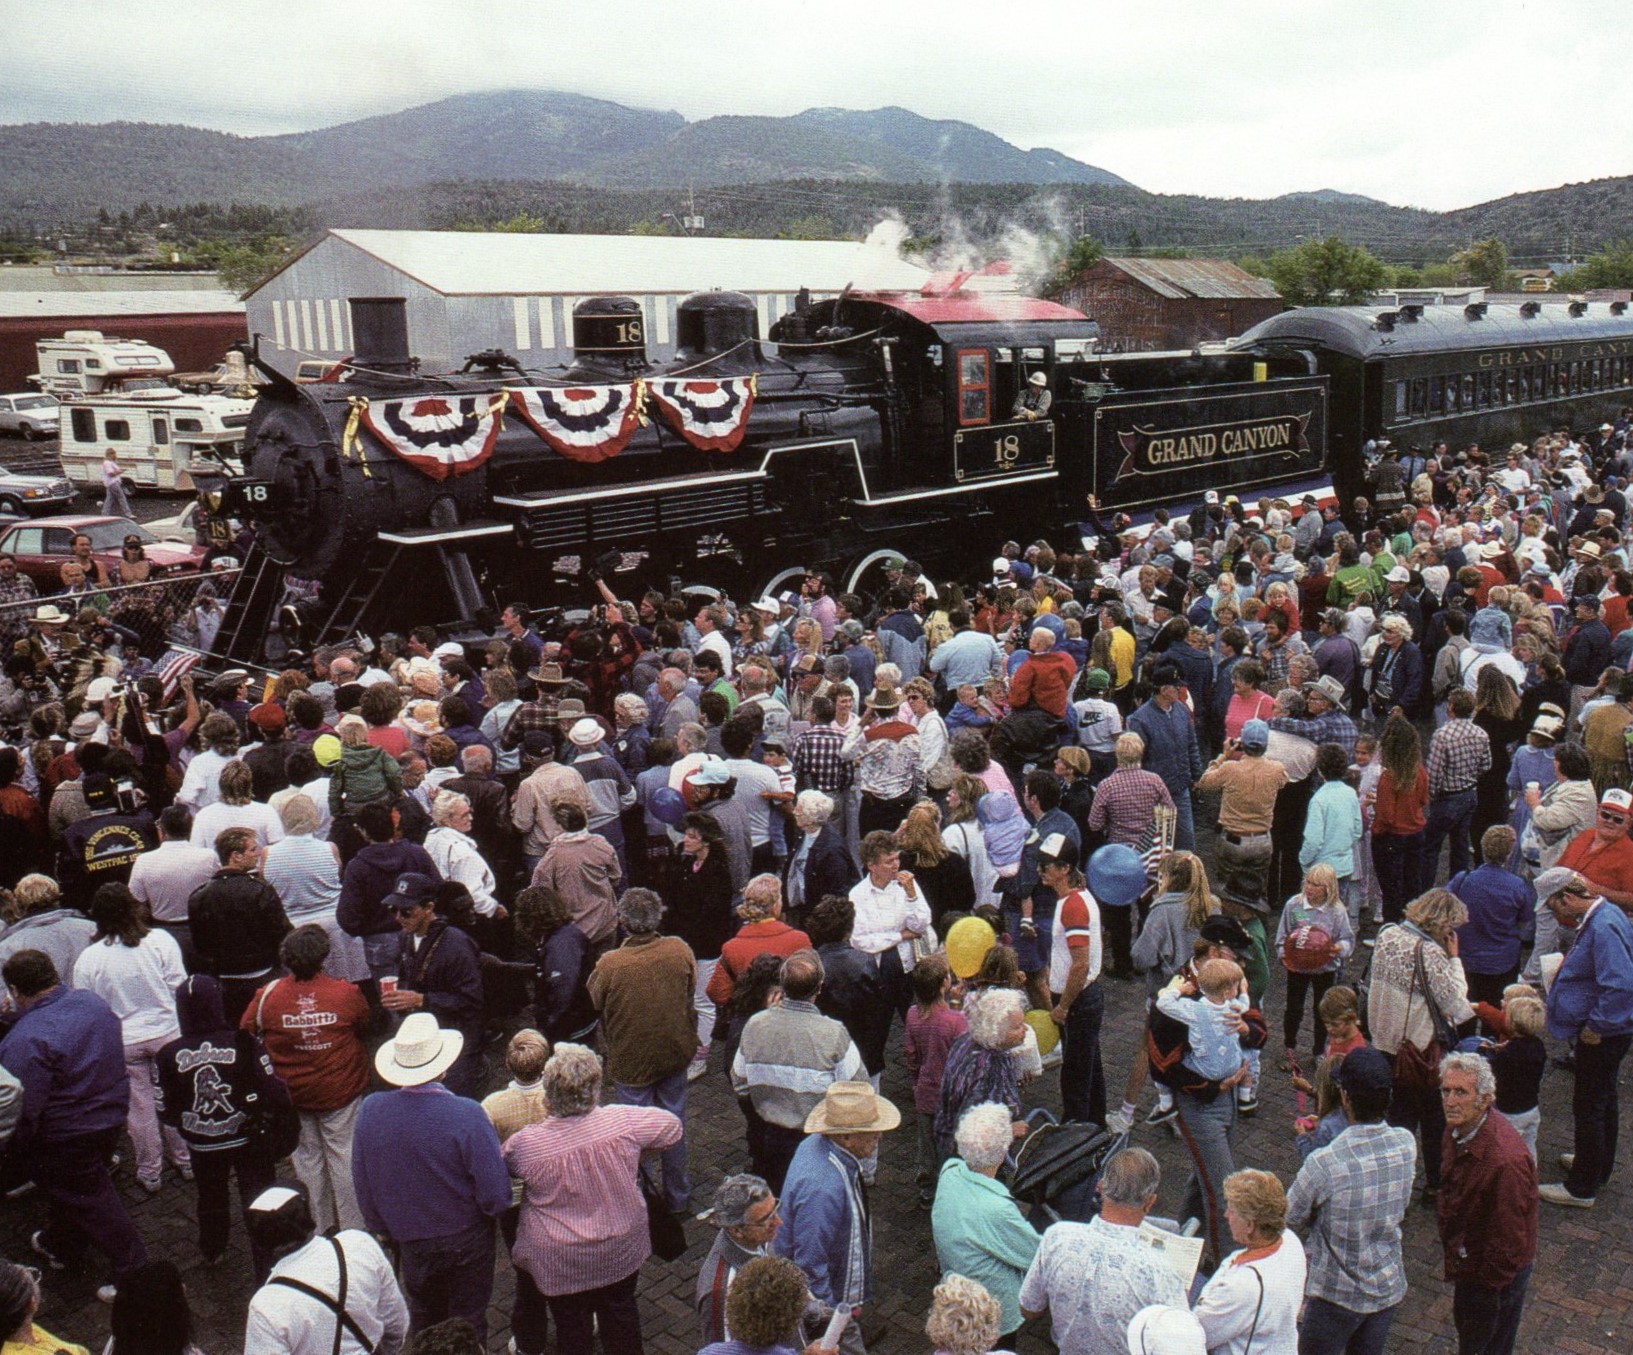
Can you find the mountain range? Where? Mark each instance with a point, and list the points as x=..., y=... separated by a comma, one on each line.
x=581, y=164
x=54, y=171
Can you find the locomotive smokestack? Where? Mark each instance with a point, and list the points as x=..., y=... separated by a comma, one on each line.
x=380, y=333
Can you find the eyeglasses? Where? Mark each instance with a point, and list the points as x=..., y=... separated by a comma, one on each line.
x=406, y=909
x=1612, y=816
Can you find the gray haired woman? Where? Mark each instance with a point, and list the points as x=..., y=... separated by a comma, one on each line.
x=979, y=1065
x=583, y=1234
x=305, y=870
x=978, y=1228
x=455, y=853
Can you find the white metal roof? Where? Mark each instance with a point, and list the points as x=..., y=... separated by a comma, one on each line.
x=76, y=305
x=473, y=263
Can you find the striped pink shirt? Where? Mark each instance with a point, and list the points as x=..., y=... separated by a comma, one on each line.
x=583, y=1223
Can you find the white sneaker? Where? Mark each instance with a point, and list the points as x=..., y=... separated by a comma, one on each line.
x=107, y=1293
x=698, y=1067
x=1119, y=1122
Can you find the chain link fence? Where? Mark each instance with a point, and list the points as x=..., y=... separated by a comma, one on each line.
x=177, y=609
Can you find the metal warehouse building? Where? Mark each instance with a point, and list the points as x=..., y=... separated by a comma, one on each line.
x=194, y=327
x=468, y=291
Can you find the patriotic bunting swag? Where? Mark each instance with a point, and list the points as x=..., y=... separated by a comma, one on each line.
x=711, y=415
x=583, y=423
x=439, y=435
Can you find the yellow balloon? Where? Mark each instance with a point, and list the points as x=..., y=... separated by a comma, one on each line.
x=1044, y=1027
x=968, y=941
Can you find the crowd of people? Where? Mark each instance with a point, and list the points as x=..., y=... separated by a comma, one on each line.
x=1384, y=747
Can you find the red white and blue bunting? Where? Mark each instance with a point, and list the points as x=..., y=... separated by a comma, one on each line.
x=439, y=435
x=582, y=423
x=711, y=415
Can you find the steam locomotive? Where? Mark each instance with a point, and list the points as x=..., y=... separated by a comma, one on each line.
x=882, y=424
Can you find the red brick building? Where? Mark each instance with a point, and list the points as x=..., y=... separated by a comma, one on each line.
x=1143, y=305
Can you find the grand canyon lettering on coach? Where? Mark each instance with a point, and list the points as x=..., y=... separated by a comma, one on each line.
x=1152, y=451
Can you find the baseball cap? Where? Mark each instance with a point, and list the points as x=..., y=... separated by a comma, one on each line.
x=1255, y=734
x=1211, y=497
x=326, y=749
x=1365, y=1070
x=1397, y=575
x=1618, y=800
x=412, y=890
x=1098, y=680
x=268, y=717
x=1058, y=850
x=710, y=774
x=1000, y=565
x=1560, y=880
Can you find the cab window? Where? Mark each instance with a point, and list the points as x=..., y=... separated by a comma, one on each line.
x=974, y=386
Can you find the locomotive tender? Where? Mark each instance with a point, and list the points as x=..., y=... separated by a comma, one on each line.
x=879, y=424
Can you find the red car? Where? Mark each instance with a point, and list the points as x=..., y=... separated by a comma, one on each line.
x=43, y=545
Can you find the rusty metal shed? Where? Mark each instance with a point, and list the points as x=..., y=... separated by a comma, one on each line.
x=1145, y=305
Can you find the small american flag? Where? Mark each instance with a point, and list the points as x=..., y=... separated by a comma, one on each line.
x=172, y=665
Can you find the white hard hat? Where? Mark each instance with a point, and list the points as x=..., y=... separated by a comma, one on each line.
x=1038, y=379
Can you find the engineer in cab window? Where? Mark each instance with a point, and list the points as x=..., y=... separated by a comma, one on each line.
x=1034, y=400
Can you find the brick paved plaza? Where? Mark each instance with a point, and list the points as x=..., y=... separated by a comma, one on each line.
x=1581, y=1298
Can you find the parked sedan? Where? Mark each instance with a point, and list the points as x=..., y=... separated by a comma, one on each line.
x=32, y=414
x=44, y=545
x=34, y=494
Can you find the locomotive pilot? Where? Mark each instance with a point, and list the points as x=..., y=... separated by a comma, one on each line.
x=1034, y=400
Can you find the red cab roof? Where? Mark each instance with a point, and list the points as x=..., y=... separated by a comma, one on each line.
x=970, y=307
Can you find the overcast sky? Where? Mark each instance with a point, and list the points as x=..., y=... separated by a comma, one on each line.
x=1431, y=103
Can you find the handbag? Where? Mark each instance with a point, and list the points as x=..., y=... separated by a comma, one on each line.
x=663, y=1229
x=1417, y=1067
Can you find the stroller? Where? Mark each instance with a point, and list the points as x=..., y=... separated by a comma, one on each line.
x=1056, y=1170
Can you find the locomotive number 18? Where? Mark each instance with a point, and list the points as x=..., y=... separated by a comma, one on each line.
x=1006, y=451
x=629, y=331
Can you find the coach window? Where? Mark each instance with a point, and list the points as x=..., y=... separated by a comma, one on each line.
x=68, y=366
x=1400, y=399
x=1437, y=394
x=1420, y=396
x=1482, y=392
x=161, y=432
x=974, y=386
x=116, y=430
x=83, y=422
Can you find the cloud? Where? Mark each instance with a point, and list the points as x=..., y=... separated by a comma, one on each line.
x=1436, y=105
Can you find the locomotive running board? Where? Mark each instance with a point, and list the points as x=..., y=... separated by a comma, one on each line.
x=680, y=484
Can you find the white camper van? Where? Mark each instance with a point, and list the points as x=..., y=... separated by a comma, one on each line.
x=115, y=395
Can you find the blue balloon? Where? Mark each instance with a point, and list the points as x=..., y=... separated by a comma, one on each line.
x=668, y=806
x=1116, y=875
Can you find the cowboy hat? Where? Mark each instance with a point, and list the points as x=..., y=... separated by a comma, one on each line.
x=547, y=673
x=886, y=698
x=420, y=1052
x=570, y=711
x=50, y=614
x=852, y=1108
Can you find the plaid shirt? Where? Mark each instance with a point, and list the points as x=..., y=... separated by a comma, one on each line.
x=1123, y=804
x=1459, y=751
x=1351, y=1195
x=531, y=715
x=1333, y=727
x=887, y=759
x=1278, y=658
x=818, y=764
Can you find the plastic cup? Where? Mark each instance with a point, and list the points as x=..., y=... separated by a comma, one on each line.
x=388, y=984
x=1534, y=785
